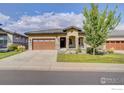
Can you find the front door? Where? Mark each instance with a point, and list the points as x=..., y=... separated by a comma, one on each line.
x=62, y=42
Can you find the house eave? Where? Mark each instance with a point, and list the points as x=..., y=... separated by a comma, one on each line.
x=117, y=36
x=42, y=33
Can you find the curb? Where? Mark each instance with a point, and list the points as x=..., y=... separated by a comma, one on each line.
x=62, y=68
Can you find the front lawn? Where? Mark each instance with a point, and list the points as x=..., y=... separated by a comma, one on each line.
x=85, y=58
x=7, y=54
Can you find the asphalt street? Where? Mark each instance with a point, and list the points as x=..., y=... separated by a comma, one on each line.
x=21, y=77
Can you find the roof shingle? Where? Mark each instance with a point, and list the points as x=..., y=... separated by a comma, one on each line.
x=115, y=33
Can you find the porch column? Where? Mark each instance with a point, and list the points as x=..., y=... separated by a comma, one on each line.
x=77, y=42
x=57, y=42
x=30, y=43
x=104, y=46
x=67, y=42
x=85, y=45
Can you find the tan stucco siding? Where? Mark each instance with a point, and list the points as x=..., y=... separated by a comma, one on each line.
x=72, y=32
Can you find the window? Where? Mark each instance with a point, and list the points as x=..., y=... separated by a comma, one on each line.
x=122, y=41
x=81, y=44
x=107, y=41
x=70, y=41
x=3, y=41
x=112, y=41
x=117, y=41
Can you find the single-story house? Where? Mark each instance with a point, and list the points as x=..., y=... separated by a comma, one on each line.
x=68, y=38
x=7, y=38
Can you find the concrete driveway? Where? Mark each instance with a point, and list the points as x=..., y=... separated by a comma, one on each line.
x=30, y=59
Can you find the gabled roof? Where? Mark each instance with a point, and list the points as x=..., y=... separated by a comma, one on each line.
x=117, y=33
x=72, y=27
x=49, y=31
x=6, y=31
x=53, y=31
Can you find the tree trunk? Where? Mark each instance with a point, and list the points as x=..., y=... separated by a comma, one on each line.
x=94, y=50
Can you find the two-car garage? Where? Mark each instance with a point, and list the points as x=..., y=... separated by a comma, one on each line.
x=115, y=44
x=43, y=44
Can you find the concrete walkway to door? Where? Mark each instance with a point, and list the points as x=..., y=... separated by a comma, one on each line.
x=40, y=60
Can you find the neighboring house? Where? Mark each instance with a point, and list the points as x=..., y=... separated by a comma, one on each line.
x=69, y=38
x=7, y=38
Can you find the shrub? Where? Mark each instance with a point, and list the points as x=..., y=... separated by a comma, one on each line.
x=97, y=51
x=100, y=52
x=20, y=48
x=110, y=51
x=12, y=47
x=78, y=50
x=89, y=50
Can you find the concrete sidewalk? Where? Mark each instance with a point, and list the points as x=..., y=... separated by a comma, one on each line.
x=99, y=67
x=95, y=67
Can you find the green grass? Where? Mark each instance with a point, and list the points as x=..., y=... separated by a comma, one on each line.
x=85, y=58
x=7, y=54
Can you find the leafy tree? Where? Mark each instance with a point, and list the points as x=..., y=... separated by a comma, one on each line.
x=98, y=24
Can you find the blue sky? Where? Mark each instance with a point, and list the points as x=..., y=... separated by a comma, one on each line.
x=17, y=10
x=15, y=15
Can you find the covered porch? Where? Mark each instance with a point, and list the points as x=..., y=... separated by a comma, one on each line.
x=72, y=42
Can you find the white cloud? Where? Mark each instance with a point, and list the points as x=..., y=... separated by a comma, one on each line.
x=45, y=21
x=120, y=27
x=3, y=18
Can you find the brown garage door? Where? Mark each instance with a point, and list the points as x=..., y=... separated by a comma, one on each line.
x=43, y=44
x=117, y=45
